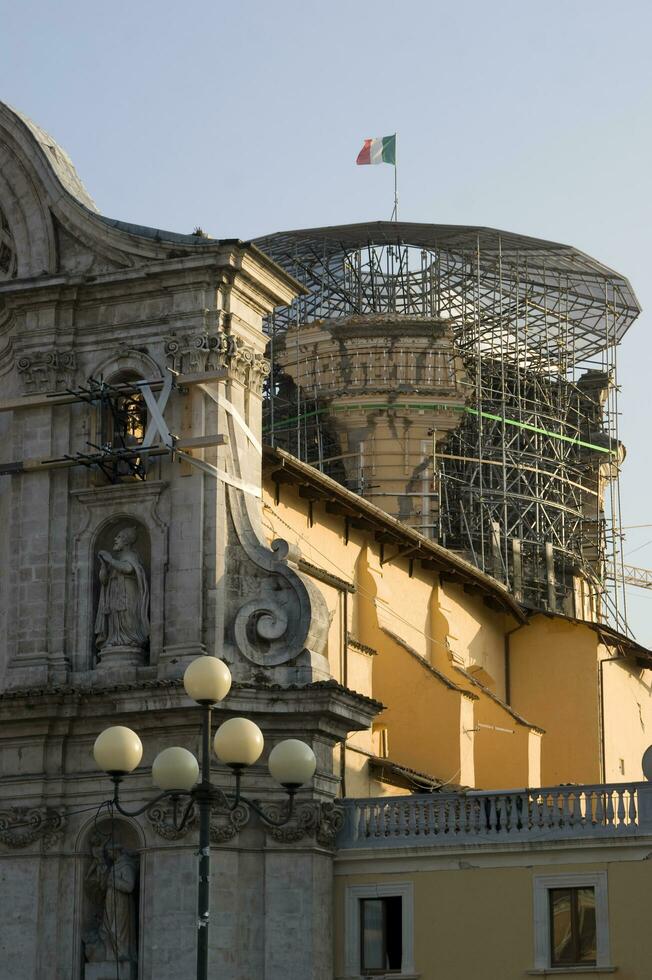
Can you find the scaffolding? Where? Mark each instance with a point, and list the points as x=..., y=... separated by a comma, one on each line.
x=524, y=480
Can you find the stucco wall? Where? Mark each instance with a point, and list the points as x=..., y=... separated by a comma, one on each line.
x=476, y=635
x=414, y=622
x=627, y=698
x=554, y=681
x=478, y=922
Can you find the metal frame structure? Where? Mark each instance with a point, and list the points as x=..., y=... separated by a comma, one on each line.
x=527, y=485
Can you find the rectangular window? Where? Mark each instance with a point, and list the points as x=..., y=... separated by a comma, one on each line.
x=573, y=939
x=571, y=921
x=381, y=934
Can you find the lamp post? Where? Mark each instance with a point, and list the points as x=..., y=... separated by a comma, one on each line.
x=238, y=743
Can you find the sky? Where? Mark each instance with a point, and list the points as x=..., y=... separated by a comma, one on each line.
x=246, y=118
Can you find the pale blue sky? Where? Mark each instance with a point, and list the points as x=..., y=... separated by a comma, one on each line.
x=246, y=118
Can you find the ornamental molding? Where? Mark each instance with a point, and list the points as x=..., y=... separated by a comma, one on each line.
x=227, y=824
x=224, y=826
x=320, y=822
x=47, y=371
x=162, y=815
x=286, y=614
x=21, y=826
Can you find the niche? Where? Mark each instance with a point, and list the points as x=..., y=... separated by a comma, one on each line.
x=111, y=902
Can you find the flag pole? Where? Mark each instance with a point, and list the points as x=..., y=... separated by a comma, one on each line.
x=395, y=211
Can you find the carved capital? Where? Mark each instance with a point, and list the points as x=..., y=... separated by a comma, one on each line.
x=52, y=370
x=258, y=373
x=196, y=353
x=318, y=821
x=21, y=825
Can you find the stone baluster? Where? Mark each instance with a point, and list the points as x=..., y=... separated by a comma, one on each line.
x=404, y=813
x=395, y=819
x=632, y=813
x=373, y=820
x=609, y=814
x=493, y=817
x=620, y=796
x=565, y=815
x=436, y=810
x=413, y=823
x=599, y=809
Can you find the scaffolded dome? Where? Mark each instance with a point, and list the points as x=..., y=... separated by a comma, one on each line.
x=463, y=379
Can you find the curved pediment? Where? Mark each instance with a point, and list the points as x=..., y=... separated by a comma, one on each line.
x=49, y=224
x=58, y=160
x=27, y=238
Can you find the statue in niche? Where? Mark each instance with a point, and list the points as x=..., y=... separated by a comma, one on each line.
x=111, y=942
x=122, y=621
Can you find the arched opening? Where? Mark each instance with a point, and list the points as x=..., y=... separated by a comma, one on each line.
x=123, y=423
x=110, y=910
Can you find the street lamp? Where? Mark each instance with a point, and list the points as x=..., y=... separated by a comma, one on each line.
x=238, y=743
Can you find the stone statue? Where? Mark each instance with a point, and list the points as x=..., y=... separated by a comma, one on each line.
x=111, y=880
x=122, y=621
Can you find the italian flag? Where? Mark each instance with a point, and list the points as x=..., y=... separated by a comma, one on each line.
x=381, y=150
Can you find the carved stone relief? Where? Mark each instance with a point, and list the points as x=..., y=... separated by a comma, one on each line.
x=196, y=353
x=321, y=821
x=284, y=619
x=225, y=824
x=276, y=615
x=21, y=826
x=52, y=370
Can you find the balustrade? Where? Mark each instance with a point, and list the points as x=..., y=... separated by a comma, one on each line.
x=532, y=814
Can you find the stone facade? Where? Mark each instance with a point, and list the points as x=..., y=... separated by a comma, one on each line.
x=83, y=297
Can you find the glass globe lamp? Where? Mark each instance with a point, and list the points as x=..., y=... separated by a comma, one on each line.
x=207, y=680
x=117, y=750
x=292, y=763
x=238, y=742
x=175, y=769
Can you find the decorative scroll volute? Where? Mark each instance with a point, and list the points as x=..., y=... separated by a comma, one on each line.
x=22, y=826
x=319, y=821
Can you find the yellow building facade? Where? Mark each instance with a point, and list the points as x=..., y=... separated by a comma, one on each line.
x=475, y=691
x=473, y=916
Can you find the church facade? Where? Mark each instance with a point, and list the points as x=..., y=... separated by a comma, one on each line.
x=146, y=524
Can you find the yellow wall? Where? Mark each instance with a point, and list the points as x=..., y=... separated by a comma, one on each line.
x=553, y=679
x=476, y=635
x=553, y=673
x=478, y=922
x=627, y=693
x=502, y=753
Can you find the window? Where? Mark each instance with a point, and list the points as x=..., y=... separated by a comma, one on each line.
x=571, y=921
x=572, y=926
x=378, y=930
x=381, y=934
